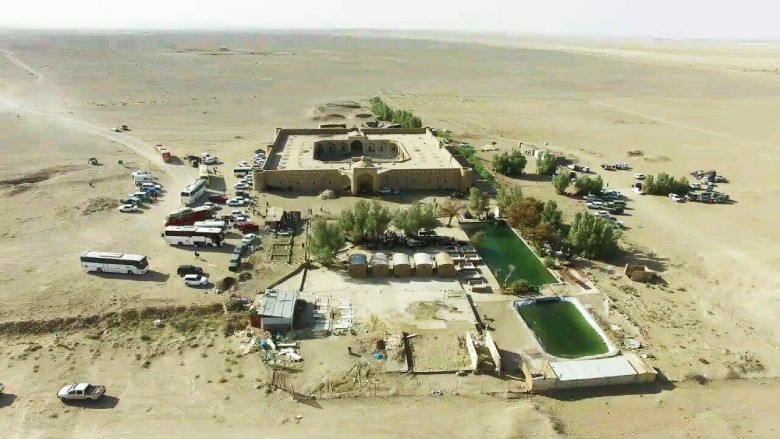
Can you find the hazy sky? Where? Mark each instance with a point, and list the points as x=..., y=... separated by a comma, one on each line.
x=728, y=19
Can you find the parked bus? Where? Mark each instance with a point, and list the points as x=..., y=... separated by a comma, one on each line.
x=242, y=171
x=212, y=224
x=102, y=262
x=203, y=172
x=193, y=235
x=191, y=193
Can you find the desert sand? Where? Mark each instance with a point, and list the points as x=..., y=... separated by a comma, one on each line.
x=685, y=105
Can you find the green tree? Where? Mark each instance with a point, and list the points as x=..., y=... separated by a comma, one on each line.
x=665, y=184
x=418, y=217
x=509, y=163
x=508, y=196
x=325, y=241
x=365, y=221
x=561, y=181
x=552, y=216
x=547, y=164
x=479, y=202
x=589, y=185
x=593, y=237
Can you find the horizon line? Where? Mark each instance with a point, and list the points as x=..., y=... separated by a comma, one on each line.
x=507, y=33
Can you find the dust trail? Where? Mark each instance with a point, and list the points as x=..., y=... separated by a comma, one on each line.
x=11, y=57
x=666, y=121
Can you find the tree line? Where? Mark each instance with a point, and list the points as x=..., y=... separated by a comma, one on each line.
x=405, y=118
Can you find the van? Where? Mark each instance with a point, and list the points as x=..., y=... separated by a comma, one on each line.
x=143, y=178
x=241, y=171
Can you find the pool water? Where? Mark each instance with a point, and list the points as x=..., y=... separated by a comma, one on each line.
x=561, y=328
x=501, y=247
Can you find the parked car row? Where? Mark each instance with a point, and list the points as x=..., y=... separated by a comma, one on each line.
x=148, y=190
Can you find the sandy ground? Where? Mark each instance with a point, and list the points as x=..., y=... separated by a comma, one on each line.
x=686, y=106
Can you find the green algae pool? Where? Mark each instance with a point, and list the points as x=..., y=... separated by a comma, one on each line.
x=561, y=328
x=501, y=247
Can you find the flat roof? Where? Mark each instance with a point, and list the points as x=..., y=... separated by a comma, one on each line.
x=592, y=369
x=278, y=303
x=274, y=214
x=296, y=151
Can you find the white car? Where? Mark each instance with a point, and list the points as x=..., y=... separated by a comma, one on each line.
x=210, y=160
x=195, y=280
x=243, y=165
x=385, y=190
x=676, y=198
x=639, y=176
x=602, y=214
x=237, y=213
x=128, y=208
x=241, y=186
x=81, y=392
x=617, y=223
x=248, y=238
x=238, y=201
x=213, y=206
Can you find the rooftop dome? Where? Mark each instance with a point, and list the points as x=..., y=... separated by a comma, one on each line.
x=364, y=162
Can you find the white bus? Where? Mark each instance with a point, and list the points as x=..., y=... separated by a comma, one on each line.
x=194, y=235
x=222, y=225
x=242, y=171
x=114, y=263
x=191, y=193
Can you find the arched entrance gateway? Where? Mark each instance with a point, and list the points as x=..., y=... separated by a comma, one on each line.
x=365, y=184
x=364, y=177
x=356, y=148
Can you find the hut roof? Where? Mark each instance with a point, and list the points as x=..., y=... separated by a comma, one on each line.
x=358, y=259
x=401, y=259
x=422, y=259
x=443, y=258
x=379, y=259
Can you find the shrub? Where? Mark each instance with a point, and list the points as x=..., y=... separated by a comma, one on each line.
x=593, y=237
x=325, y=241
x=551, y=215
x=418, y=217
x=507, y=196
x=547, y=164
x=525, y=214
x=479, y=201
x=405, y=118
x=589, y=185
x=365, y=221
x=519, y=287
x=665, y=184
x=509, y=163
x=471, y=156
x=561, y=182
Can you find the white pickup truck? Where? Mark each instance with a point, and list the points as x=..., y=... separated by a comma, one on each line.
x=81, y=392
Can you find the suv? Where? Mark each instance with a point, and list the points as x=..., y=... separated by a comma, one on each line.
x=240, y=249
x=235, y=263
x=184, y=270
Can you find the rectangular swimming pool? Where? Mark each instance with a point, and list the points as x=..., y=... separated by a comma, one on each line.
x=562, y=329
x=501, y=247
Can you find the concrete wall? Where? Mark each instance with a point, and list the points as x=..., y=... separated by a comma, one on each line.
x=426, y=179
x=472, y=351
x=313, y=181
x=491, y=345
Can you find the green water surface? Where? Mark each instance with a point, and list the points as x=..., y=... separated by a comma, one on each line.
x=501, y=248
x=562, y=329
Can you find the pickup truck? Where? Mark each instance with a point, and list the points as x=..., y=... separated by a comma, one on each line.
x=81, y=392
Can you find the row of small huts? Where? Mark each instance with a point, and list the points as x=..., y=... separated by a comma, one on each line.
x=401, y=265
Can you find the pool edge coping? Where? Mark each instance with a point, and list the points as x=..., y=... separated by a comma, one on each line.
x=612, y=350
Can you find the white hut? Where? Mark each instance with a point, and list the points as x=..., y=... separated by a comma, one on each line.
x=402, y=265
x=380, y=267
x=423, y=264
